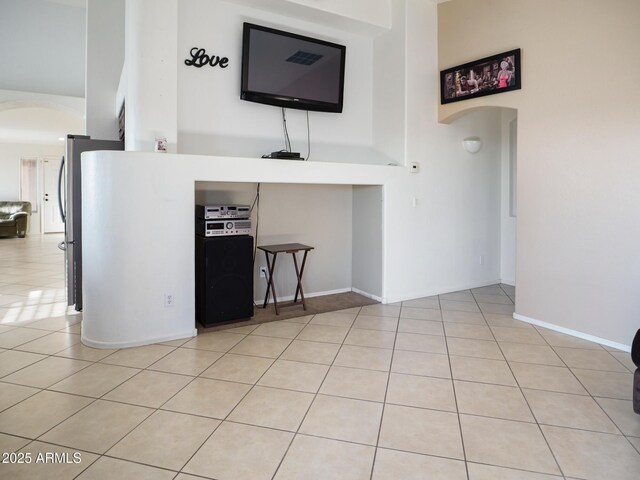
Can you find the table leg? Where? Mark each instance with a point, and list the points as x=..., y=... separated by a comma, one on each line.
x=270, y=283
x=299, y=275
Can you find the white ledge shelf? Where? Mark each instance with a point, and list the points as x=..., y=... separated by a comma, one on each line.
x=138, y=233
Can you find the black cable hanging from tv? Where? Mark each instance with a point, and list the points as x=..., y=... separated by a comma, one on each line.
x=308, y=138
x=287, y=140
x=256, y=205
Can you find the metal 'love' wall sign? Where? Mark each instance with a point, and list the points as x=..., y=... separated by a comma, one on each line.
x=200, y=58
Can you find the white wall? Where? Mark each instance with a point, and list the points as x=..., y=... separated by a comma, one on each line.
x=375, y=12
x=151, y=88
x=389, y=88
x=367, y=17
x=578, y=172
x=213, y=120
x=104, y=60
x=507, y=222
x=458, y=194
x=367, y=249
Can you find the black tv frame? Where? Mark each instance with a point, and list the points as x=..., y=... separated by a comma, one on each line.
x=286, y=101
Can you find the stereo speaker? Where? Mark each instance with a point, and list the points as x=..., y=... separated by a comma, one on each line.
x=224, y=279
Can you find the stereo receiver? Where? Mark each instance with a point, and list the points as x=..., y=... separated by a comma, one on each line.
x=221, y=227
x=208, y=212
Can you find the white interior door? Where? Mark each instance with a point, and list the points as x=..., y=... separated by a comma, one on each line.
x=51, y=219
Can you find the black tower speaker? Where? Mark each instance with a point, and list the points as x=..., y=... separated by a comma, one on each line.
x=224, y=279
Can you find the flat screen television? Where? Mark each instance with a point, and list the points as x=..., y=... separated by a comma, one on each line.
x=292, y=71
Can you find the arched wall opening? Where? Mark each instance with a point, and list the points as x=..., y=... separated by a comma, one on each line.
x=38, y=123
x=578, y=199
x=498, y=153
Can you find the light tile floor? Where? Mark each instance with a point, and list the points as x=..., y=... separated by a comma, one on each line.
x=449, y=387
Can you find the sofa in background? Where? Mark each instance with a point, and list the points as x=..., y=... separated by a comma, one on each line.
x=635, y=357
x=14, y=218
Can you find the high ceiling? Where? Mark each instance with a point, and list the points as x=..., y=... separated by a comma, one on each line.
x=42, y=52
x=43, y=46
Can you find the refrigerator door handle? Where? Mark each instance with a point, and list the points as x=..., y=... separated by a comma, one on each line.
x=60, y=205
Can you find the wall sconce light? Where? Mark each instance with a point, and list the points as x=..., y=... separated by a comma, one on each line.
x=472, y=144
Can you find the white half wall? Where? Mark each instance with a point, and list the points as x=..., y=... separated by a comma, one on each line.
x=138, y=264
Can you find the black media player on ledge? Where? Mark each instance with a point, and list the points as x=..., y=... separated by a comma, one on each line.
x=286, y=155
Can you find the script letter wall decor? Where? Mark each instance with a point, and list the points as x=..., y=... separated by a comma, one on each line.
x=199, y=59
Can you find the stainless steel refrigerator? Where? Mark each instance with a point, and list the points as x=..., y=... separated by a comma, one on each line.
x=70, y=195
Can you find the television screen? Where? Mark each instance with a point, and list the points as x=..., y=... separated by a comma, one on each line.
x=292, y=71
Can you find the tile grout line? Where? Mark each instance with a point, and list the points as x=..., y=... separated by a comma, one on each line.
x=95, y=399
x=165, y=402
x=386, y=391
x=455, y=398
x=526, y=400
x=221, y=420
x=297, y=432
x=228, y=381
x=593, y=398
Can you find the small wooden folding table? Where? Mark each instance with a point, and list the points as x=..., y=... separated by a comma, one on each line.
x=291, y=248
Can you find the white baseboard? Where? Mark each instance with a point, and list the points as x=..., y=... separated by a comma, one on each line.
x=442, y=291
x=287, y=298
x=137, y=343
x=368, y=295
x=573, y=333
x=511, y=283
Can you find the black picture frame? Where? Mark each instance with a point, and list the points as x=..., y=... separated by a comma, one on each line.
x=481, y=77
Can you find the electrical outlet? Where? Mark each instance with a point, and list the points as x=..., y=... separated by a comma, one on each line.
x=169, y=300
x=263, y=272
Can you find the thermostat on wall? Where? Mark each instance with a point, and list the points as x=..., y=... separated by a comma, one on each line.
x=414, y=167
